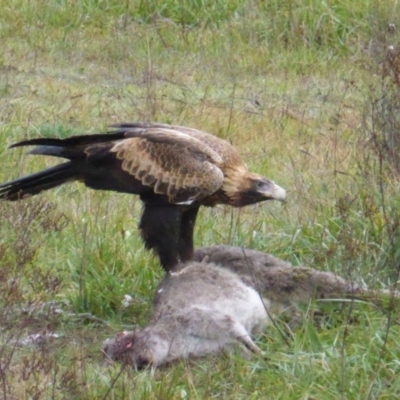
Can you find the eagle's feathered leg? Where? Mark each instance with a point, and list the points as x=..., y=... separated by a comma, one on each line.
x=160, y=229
x=186, y=248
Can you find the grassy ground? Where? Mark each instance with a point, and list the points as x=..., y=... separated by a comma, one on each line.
x=307, y=90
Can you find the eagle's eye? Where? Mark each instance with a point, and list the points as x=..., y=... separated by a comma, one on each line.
x=260, y=184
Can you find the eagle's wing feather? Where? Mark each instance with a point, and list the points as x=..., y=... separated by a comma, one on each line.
x=171, y=162
x=224, y=149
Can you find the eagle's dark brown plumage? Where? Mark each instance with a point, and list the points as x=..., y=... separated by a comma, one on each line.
x=173, y=169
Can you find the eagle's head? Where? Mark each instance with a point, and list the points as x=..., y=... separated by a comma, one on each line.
x=246, y=188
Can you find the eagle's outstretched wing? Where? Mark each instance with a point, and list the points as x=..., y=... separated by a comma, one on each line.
x=158, y=159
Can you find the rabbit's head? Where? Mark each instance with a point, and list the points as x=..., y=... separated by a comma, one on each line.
x=137, y=348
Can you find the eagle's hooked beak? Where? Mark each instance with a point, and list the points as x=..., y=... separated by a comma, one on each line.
x=279, y=193
x=271, y=190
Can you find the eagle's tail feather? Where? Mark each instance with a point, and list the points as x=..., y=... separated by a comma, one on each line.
x=36, y=183
x=73, y=141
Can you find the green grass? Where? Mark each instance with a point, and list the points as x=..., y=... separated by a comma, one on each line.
x=305, y=89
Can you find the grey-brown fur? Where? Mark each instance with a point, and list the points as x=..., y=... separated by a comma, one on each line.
x=277, y=280
x=201, y=308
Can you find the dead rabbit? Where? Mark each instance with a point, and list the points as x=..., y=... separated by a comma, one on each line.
x=218, y=301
